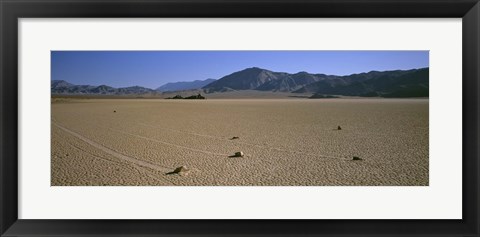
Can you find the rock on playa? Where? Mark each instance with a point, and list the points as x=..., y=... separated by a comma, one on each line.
x=182, y=171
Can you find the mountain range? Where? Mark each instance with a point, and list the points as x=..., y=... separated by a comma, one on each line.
x=63, y=87
x=396, y=83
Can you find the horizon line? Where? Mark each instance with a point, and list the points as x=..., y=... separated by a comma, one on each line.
x=243, y=70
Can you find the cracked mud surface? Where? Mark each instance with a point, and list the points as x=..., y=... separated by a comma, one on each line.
x=287, y=142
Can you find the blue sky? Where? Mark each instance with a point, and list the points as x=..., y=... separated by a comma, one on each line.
x=154, y=68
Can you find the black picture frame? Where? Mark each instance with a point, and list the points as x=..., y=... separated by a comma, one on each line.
x=11, y=11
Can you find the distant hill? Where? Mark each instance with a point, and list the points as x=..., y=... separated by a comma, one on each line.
x=338, y=81
x=58, y=84
x=184, y=85
x=397, y=83
x=63, y=87
x=264, y=80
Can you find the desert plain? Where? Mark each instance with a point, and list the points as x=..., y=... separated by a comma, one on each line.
x=285, y=141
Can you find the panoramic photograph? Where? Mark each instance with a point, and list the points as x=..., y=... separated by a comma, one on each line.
x=240, y=118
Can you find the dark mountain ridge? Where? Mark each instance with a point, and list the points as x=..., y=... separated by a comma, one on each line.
x=396, y=83
x=264, y=80
x=63, y=87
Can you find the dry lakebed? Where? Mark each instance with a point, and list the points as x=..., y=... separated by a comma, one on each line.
x=283, y=142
